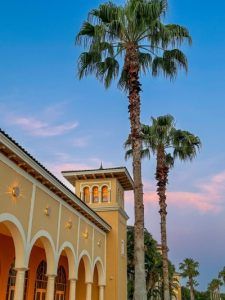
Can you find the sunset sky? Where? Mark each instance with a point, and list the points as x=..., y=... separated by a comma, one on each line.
x=69, y=124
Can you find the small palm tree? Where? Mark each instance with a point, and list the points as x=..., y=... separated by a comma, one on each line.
x=162, y=139
x=190, y=270
x=124, y=42
x=222, y=275
x=214, y=289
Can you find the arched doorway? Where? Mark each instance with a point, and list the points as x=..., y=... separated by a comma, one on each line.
x=41, y=264
x=41, y=281
x=11, y=282
x=10, y=295
x=61, y=284
x=81, y=286
x=12, y=241
x=84, y=277
x=95, y=286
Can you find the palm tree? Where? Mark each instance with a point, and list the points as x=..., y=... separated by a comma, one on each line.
x=189, y=269
x=124, y=42
x=222, y=275
x=214, y=289
x=167, y=143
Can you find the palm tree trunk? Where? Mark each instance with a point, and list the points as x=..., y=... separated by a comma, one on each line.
x=162, y=178
x=192, y=295
x=131, y=68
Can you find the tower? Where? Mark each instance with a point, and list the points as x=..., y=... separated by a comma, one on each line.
x=103, y=190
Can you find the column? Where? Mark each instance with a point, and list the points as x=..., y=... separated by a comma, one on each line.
x=50, y=287
x=101, y=292
x=72, y=295
x=88, y=290
x=19, y=288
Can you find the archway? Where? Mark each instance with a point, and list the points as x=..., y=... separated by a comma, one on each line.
x=98, y=279
x=95, y=286
x=84, y=277
x=12, y=254
x=66, y=261
x=41, y=263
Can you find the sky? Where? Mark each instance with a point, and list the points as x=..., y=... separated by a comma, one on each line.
x=70, y=124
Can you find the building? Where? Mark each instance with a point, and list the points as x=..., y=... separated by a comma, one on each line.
x=55, y=244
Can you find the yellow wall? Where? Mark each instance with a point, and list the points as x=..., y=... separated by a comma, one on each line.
x=18, y=207
x=116, y=271
x=28, y=210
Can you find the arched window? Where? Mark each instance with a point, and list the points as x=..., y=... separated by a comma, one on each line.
x=60, y=284
x=95, y=194
x=41, y=281
x=105, y=194
x=86, y=194
x=12, y=282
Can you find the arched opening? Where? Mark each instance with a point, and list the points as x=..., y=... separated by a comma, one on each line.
x=86, y=194
x=41, y=263
x=61, y=284
x=84, y=276
x=105, y=194
x=11, y=282
x=81, y=286
x=11, y=256
x=95, y=286
x=41, y=281
x=95, y=194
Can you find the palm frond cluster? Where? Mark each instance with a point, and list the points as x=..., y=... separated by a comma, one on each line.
x=111, y=30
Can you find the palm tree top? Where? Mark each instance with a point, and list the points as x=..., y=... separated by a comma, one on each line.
x=111, y=31
x=162, y=133
x=189, y=268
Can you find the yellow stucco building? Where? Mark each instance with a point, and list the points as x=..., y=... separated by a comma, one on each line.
x=56, y=244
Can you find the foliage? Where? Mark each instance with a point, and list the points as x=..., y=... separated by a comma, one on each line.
x=222, y=275
x=153, y=265
x=199, y=295
x=189, y=269
x=162, y=132
x=111, y=29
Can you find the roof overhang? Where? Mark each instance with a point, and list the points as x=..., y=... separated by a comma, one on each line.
x=120, y=173
x=18, y=155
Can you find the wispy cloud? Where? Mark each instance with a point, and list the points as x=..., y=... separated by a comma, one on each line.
x=209, y=195
x=36, y=127
x=81, y=142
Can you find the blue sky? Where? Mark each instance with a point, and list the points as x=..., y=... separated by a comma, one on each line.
x=67, y=123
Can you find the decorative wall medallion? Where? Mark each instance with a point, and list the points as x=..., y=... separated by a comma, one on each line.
x=85, y=234
x=99, y=243
x=69, y=224
x=16, y=192
x=47, y=211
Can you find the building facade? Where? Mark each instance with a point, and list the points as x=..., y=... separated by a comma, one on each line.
x=56, y=244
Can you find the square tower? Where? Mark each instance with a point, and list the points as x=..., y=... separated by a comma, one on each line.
x=103, y=190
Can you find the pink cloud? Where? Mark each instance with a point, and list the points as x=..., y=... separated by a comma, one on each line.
x=37, y=127
x=208, y=197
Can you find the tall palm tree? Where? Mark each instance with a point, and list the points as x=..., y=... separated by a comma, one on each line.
x=214, y=289
x=189, y=269
x=124, y=42
x=162, y=139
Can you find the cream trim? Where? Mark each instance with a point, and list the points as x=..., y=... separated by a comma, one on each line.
x=78, y=236
x=112, y=208
x=31, y=213
x=93, y=243
x=59, y=224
